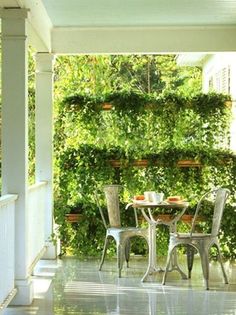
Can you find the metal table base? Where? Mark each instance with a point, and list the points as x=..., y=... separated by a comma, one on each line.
x=152, y=224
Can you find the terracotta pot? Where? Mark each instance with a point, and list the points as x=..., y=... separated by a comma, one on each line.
x=186, y=218
x=144, y=163
x=107, y=106
x=188, y=163
x=74, y=217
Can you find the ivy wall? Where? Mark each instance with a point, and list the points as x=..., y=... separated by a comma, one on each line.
x=162, y=130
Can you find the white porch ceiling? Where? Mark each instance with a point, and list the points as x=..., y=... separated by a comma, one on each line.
x=191, y=59
x=118, y=13
x=130, y=26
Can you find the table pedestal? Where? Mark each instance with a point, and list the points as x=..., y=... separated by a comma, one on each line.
x=152, y=261
x=152, y=255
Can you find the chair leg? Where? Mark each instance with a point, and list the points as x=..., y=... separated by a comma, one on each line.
x=127, y=252
x=120, y=258
x=168, y=261
x=203, y=251
x=221, y=263
x=103, y=253
x=190, y=259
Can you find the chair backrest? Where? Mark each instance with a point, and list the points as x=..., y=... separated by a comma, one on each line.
x=220, y=200
x=100, y=209
x=219, y=196
x=113, y=204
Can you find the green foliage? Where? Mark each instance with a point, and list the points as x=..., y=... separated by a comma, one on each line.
x=145, y=74
x=164, y=122
x=163, y=129
x=31, y=116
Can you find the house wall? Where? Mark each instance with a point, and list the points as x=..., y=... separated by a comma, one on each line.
x=213, y=69
x=219, y=74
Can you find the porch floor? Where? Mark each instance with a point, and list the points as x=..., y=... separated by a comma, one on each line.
x=74, y=286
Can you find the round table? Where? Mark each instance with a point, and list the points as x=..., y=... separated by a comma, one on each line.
x=147, y=212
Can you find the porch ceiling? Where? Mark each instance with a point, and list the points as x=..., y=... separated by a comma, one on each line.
x=123, y=26
x=119, y=13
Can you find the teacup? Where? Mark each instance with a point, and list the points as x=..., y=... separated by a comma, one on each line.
x=158, y=197
x=154, y=197
x=148, y=195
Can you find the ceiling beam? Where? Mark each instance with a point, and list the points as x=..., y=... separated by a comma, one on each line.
x=39, y=24
x=143, y=40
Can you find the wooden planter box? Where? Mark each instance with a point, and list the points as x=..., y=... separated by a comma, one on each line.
x=144, y=163
x=186, y=218
x=108, y=106
x=188, y=163
x=138, y=163
x=74, y=217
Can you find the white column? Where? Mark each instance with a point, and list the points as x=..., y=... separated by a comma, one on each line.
x=15, y=137
x=44, y=138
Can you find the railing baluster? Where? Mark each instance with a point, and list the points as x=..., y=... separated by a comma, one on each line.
x=36, y=217
x=7, y=249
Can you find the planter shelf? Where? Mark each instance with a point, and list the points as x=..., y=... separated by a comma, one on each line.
x=144, y=163
x=74, y=217
x=188, y=163
x=186, y=218
x=108, y=106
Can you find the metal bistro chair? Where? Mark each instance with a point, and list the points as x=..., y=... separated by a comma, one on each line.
x=202, y=242
x=121, y=235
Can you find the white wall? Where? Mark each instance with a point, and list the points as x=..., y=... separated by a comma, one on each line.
x=215, y=63
x=212, y=65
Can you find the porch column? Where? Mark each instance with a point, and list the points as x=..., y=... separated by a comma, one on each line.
x=44, y=139
x=15, y=137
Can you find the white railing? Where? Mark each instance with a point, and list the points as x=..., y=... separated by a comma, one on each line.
x=7, y=249
x=36, y=224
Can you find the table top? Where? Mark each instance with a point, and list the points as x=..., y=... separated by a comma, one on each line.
x=164, y=204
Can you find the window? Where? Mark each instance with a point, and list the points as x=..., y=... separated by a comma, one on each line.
x=220, y=81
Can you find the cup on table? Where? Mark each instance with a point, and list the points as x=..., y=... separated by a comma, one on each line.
x=160, y=197
x=154, y=197
x=148, y=195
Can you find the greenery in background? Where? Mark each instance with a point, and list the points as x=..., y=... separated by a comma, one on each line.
x=145, y=74
x=92, y=78
x=31, y=115
x=155, y=115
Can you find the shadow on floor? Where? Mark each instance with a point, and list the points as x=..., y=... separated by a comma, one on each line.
x=74, y=286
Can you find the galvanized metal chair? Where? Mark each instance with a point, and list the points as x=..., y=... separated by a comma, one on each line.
x=114, y=230
x=202, y=242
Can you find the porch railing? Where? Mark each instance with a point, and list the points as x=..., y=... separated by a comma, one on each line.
x=36, y=223
x=7, y=249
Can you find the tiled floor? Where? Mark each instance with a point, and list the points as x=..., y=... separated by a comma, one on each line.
x=79, y=288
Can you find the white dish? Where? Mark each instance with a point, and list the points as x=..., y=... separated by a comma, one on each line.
x=145, y=203
x=137, y=202
x=175, y=202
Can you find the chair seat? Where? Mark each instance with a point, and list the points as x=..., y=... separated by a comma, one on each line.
x=188, y=236
x=127, y=231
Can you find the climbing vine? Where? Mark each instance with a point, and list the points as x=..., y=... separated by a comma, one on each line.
x=160, y=129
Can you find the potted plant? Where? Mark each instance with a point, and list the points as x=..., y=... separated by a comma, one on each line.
x=75, y=213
